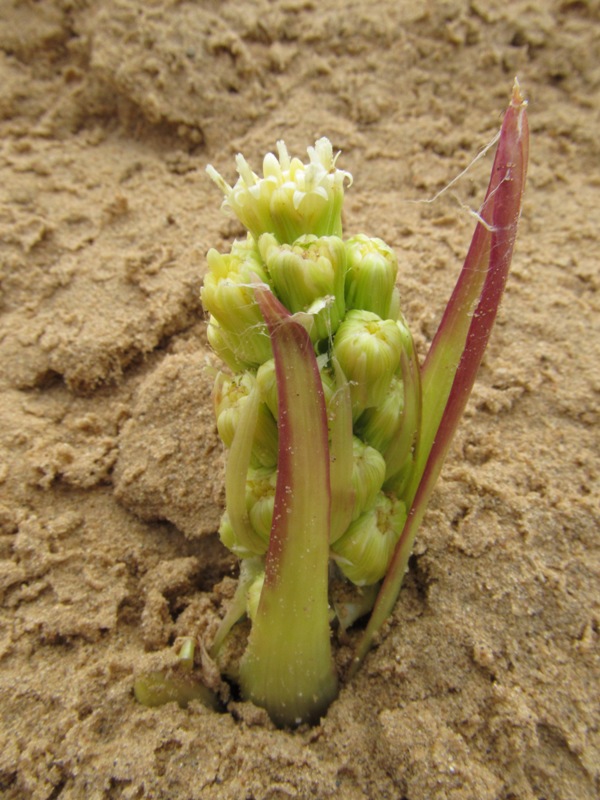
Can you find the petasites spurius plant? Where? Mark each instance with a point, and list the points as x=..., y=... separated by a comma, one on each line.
x=335, y=432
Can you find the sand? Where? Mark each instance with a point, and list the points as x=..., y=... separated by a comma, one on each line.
x=484, y=683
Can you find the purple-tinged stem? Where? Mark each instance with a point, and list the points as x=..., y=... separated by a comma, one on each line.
x=288, y=667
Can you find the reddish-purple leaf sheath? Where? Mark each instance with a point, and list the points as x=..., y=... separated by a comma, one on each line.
x=476, y=297
x=289, y=336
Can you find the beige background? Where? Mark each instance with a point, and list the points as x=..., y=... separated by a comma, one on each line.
x=485, y=682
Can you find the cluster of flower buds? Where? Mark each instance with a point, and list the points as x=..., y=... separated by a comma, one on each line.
x=331, y=427
x=344, y=294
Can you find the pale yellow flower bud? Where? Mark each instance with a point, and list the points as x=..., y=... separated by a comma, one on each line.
x=231, y=542
x=267, y=385
x=260, y=499
x=377, y=425
x=308, y=276
x=292, y=198
x=368, y=350
x=368, y=474
x=237, y=329
x=363, y=553
x=227, y=346
x=229, y=396
x=371, y=275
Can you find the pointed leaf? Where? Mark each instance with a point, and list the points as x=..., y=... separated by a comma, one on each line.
x=288, y=667
x=458, y=347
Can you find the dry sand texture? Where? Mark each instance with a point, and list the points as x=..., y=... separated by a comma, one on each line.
x=484, y=685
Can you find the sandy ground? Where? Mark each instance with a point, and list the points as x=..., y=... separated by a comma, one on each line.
x=484, y=684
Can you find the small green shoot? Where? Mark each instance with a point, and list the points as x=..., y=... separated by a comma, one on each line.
x=179, y=685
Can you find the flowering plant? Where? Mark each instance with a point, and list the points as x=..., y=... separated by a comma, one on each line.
x=335, y=433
